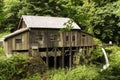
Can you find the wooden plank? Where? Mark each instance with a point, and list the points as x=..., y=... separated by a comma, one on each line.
x=63, y=57
x=70, y=53
x=70, y=58
x=47, y=58
x=55, y=59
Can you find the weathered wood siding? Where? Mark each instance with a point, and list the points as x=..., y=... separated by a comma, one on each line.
x=47, y=38
x=8, y=47
x=70, y=38
x=86, y=39
x=18, y=42
x=23, y=25
x=44, y=38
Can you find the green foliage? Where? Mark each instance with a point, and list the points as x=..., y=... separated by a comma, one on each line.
x=113, y=72
x=2, y=53
x=97, y=53
x=92, y=72
x=36, y=76
x=3, y=34
x=103, y=2
x=15, y=8
x=13, y=68
x=98, y=17
x=79, y=73
x=56, y=74
x=82, y=73
x=68, y=26
x=97, y=41
x=18, y=67
x=105, y=22
x=1, y=13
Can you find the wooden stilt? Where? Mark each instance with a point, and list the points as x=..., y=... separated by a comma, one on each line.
x=55, y=59
x=63, y=57
x=77, y=50
x=47, y=58
x=70, y=53
x=70, y=58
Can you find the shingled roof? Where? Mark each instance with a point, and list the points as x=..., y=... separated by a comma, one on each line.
x=46, y=22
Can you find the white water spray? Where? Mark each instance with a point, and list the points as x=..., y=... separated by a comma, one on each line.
x=106, y=60
x=8, y=55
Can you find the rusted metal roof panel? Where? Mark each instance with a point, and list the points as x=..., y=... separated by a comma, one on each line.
x=47, y=22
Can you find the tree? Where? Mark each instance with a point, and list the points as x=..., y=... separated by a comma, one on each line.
x=2, y=15
x=106, y=23
x=11, y=9
x=15, y=8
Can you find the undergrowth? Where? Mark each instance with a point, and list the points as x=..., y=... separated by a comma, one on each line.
x=18, y=67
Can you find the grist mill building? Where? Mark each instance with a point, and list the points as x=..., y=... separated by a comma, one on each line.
x=41, y=36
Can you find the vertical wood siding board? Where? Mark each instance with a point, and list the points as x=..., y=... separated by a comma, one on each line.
x=89, y=40
x=6, y=47
x=78, y=38
x=81, y=39
x=70, y=54
x=9, y=46
x=23, y=42
x=86, y=39
x=27, y=40
x=13, y=44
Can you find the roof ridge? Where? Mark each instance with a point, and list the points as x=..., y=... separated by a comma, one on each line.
x=46, y=16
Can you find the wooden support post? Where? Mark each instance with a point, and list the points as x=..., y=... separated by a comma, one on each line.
x=70, y=58
x=77, y=50
x=87, y=50
x=70, y=53
x=63, y=57
x=47, y=58
x=55, y=59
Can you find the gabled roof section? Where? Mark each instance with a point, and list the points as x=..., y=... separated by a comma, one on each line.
x=47, y=22
x=15, y=33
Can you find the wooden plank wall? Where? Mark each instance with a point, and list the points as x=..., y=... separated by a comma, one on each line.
x=58, y=42
x=81, y=39
x=10, y=44
x=86, y=39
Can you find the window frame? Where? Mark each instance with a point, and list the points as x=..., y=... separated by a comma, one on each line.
x=18, y=40
x=67, y=38
x=73, y=38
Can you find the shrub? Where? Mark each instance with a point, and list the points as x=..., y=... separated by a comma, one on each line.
x=18, y=66
x=83, y=73
x=113, y=72
x=54, y=74
x=13, y=68
x=36, y=76
x=78, y=73
x=2, y=53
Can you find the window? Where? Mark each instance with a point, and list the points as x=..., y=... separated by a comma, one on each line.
x=83, y=35
x=83, y=38
x=40, y=37
x=67, y=38
x=73, y=38
x=53, y=37
x=18, y=40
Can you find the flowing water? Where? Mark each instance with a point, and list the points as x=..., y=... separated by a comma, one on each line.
x=106, y=60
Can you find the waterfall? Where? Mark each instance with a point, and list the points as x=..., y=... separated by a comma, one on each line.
x=8, y=55
x=106, y=60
